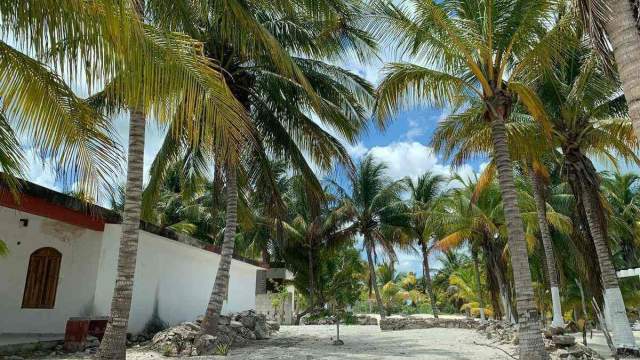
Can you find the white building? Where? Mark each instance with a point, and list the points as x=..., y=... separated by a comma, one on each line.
x=62, y=263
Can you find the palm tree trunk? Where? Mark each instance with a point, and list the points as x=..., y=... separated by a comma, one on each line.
x=476, y=267
x=221, y=285
x=614, y=304
x=374, y=281
x=503, y=288
x=312, y=285
x=531, y=344
x=541, y=210
x=216, y=189
x=625, y=39
x=426, y=275
x=113, y=344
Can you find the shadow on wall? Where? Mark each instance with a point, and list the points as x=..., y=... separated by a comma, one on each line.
x=155, y=324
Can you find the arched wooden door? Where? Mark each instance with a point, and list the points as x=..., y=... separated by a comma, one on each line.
x=42, y=279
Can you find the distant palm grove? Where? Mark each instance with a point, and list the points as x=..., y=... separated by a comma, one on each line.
x=258, y=111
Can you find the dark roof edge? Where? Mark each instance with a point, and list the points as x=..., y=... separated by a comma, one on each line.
x=112, y=217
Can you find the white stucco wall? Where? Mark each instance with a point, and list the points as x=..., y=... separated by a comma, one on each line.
x=78, y=270
x=175, y=276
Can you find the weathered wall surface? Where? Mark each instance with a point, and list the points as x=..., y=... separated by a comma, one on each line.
x=282, y=314
x=172, y=277
x=80, y=250
x=410, y=323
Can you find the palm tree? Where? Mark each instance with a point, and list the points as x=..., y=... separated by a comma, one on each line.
x=485, y=52
x=474, y=215
x=111, y=45
x=623, y=198
x=586, y=121
x=314, y=227
x=613, y=24
x=377, y=211
x=426, y=194
x=279, y=90
x=39, y=105
x=538, y=188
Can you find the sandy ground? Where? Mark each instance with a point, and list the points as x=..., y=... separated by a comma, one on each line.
x=361, y=342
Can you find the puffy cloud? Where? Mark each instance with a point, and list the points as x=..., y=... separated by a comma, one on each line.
x=410, y=159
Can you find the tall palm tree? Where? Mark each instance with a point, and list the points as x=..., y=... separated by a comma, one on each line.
x=279, y=90
x=108, y=42
x=585, y=120
x=377, y=210
x=538, y=179
x=485, y=52
x=425, y=210
x=199, y=88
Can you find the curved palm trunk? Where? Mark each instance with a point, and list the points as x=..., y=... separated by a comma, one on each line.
x=374, y=280
x=476, y=267
x=531, y=344
x=221, y=285
x=497, y=270
x=494, y=290
x=426, y=275
x=312, y=287
x=538, y=194
x=113, y=344
x=625, y=39
x=614, y=304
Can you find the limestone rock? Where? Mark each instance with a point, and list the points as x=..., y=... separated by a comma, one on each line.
x=236, y=324
x=410, y=323
x=206, y=345
x=185, y=339
x=273, y=326
x=563, y=340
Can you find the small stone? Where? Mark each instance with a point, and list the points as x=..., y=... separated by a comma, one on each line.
x=224, y=320
x=338, y=342
x=515, y=340
x=273, y=326
x=563, y=340
x=235, y=324
x=205, y=345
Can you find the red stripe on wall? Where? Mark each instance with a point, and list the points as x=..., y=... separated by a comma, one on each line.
x=40, y=207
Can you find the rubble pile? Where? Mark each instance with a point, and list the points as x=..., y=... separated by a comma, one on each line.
x=410, y=323
x=185, y=339
x=556, y=342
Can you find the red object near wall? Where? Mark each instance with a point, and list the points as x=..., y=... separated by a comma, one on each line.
x=97, y=327
x=75, y=334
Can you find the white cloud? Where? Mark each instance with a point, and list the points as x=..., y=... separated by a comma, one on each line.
x=356, y=151
x=408, y=159
x=39, y=171
x=415, y=130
